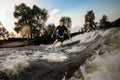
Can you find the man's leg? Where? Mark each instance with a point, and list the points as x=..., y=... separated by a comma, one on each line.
x=55, y=42
x=61, y=45
x=62, y=39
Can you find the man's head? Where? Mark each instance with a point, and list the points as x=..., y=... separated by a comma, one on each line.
x=61, y=22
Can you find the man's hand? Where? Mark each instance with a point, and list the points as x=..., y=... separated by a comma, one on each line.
x=52, y=36
x=68, y=33
x=70, y=38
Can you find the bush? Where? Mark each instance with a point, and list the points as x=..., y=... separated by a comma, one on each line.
x=17, y=39
x=46, y=39
x=116, y=23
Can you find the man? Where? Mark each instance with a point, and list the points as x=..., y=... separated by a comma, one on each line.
x=60, y=34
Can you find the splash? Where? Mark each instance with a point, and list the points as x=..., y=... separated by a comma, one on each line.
x=14, y=64
x=104, y=65
x=55, y=57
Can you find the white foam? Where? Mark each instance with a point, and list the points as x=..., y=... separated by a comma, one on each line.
x=14, y=63
x=55, y=57
x=15, y=59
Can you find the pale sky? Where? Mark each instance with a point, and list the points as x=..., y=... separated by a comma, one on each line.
x=76, y=9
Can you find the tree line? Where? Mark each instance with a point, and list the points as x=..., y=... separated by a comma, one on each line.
x=31, y=24
x=103, y=23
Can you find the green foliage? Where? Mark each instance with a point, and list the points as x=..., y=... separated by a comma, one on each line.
x=50, y=28
x=103, y=20
x=90, y=16
x=17, y=39
x=46, y=39
x=105, y=24
x=89, y=21
x=116, y=23
x=67, y=21
x=3, y=32
x=35, y=17
x=102, y=24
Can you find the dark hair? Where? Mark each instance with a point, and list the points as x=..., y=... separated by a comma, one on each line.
x=61, y=20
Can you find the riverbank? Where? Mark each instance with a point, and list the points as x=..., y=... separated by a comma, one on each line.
x=11, y=44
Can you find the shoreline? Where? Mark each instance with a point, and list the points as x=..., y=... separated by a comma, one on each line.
x=12, y=44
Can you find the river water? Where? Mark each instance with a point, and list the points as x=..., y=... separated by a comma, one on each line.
x=103, y=65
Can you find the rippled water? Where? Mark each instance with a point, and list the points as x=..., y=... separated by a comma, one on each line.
x=13, y=60
x=104, y=65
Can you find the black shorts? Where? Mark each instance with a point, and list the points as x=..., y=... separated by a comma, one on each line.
x=60, y=38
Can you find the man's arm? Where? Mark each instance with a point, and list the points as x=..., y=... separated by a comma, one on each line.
x=68, y=33
x=55, y=30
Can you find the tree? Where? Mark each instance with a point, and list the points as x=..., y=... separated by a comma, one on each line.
x=116, y=23
x=39, y=19
x=67, y=21
x=90, y=21
x=4, y=33
x=104, y=23
x=12, y=35
x=50, y=28
x=34, y=17
x=23, y=14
